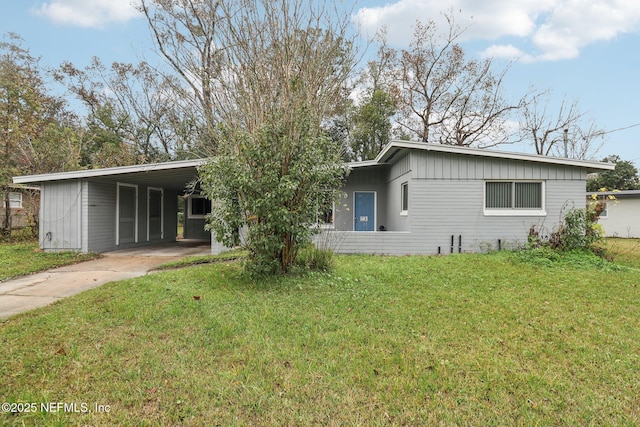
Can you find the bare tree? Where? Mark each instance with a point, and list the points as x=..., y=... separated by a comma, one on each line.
x=186, y=35
x=265, y=74
x=584, y=143
x=564, y=132
x=444, y=98
x=145, y=113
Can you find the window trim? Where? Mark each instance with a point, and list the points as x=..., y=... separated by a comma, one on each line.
x=513, y=211
x=11, y=202
x=189, y=207
x=404, y=199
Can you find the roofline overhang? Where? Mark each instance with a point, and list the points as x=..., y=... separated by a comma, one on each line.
x=385, y=156
x=364, y=164
x=393, y=147
x=119, y=170
x=616, y=193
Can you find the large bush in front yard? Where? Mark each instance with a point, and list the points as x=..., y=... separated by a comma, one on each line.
x=579, y=230
x=276, y=188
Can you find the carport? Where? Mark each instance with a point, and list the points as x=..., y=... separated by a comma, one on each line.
x=101, y=210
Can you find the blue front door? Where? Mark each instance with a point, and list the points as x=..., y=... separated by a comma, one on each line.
x=365, y=211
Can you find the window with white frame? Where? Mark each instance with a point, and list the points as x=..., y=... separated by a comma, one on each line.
x=514, y=198
x=198, y=207
x=15, y=200
x=404, y=198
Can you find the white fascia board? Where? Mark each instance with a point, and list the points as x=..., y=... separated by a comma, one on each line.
x=90, y=173
x=483, y=152
x=363, y=164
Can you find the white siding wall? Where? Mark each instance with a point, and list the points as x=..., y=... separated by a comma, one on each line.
x=623, y=218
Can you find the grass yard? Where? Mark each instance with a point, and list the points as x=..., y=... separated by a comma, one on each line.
x=17, y=259
x=499, y=339
x=624, y=251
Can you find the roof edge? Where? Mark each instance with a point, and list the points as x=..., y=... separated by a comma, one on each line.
x=118, y=170
x=616, y=193
x=388, y=152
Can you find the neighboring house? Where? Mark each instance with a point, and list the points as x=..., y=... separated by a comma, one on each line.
x=621, y=218
x=414, y=198
x=24, y=205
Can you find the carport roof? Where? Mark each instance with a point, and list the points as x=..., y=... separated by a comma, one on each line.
x=173, y=175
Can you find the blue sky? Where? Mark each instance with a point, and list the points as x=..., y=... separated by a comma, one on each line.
x=588, y=50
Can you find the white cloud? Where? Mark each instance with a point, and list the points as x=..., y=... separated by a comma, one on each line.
x=87, y=13
x=552, y=29
x=509, y=52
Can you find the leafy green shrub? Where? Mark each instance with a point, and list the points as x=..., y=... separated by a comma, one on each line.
x=579, y=230
x=275, y=187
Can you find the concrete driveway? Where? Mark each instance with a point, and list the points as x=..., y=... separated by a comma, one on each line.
x=40, y=289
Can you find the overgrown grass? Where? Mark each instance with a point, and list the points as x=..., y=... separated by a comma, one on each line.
x=20, y=235
x=624, y=251
x=457, y=340
x=18, y=259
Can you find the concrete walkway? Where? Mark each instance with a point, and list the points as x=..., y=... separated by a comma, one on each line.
x=40, y=289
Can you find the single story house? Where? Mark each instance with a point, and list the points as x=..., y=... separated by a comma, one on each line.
x=414, y=198
x=417, y=198
x=621, y=218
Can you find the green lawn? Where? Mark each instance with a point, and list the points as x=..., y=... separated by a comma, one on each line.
x=625, y=251
x=18, y=259
x=497, y=339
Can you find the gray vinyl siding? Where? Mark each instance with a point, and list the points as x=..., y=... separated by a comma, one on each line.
x=170, y=215
x=102, y=217
x=446, y=198
x=194, y=227
x=61, y=216
x=430, y=165
x=399, y=173
x=84, y=226
x=369, y=179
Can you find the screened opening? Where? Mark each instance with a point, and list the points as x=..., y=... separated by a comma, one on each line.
x=528, y=195
x=513, y=195
x=498, y=195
